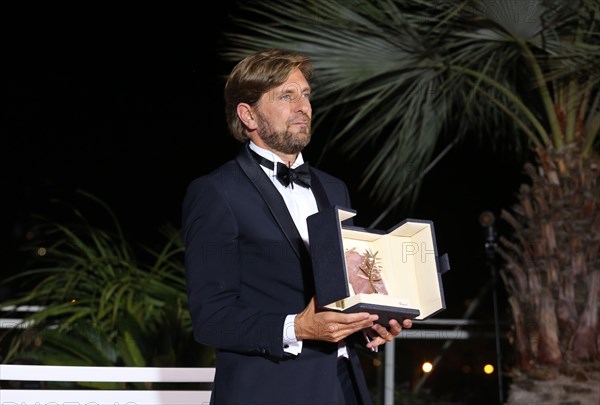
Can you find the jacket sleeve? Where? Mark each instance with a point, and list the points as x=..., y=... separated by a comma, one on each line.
x=213, y=275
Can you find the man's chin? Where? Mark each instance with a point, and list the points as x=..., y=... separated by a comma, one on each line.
x=303, y=139
x=299, y=145
x=291, y=142
x=302, y=132
x=303, y=129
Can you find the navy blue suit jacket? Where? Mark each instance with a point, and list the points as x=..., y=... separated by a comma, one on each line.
x=247, y=268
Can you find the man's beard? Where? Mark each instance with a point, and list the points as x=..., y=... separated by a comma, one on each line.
x=283, y=141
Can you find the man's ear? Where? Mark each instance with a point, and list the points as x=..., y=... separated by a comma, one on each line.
x=247, y=116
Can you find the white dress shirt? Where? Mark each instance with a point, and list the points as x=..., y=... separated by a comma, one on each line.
x=301, y=203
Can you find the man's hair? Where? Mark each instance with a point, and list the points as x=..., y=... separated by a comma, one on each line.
x=255, y=75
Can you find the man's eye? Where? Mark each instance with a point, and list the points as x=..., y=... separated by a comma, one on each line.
x=290, y=97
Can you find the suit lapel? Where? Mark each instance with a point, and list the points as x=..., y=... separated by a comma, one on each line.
x=273, y=199
x=318, y=191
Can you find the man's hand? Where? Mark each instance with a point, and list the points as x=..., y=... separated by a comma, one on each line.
x=330, y=326
x=380, y=334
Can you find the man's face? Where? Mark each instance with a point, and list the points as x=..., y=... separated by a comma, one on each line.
x=284, y=115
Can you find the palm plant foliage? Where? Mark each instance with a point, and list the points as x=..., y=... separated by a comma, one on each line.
x=104, y=301
x=410, y=76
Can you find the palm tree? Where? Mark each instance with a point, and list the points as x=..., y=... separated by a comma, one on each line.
x=418, y=75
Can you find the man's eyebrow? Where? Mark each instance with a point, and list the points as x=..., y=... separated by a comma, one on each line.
x=292, y=89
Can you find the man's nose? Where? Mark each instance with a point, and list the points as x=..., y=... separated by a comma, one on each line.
x=303, y=105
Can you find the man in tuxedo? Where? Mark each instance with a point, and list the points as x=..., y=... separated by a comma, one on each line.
x=250, y=282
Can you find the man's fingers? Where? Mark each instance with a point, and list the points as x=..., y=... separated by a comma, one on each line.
x=339, y=326
x=395, y=327
x=349, y=319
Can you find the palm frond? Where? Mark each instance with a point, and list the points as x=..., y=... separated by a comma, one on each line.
x=91, y=276
x=394, y=77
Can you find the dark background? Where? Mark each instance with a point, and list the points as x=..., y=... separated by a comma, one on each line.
x=131, y=110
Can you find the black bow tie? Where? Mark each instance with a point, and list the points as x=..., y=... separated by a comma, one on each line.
x=286, y=175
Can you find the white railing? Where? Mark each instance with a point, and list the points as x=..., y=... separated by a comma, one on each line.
x=12, y=377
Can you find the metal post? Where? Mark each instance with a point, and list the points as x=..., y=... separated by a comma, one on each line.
x=486, y=220
x=388, y=385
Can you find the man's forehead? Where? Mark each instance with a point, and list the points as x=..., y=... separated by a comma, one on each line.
x=293, y=85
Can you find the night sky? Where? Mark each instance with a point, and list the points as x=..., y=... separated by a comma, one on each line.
x=123, y=108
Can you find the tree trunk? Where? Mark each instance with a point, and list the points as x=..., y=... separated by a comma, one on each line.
x=552, y=268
